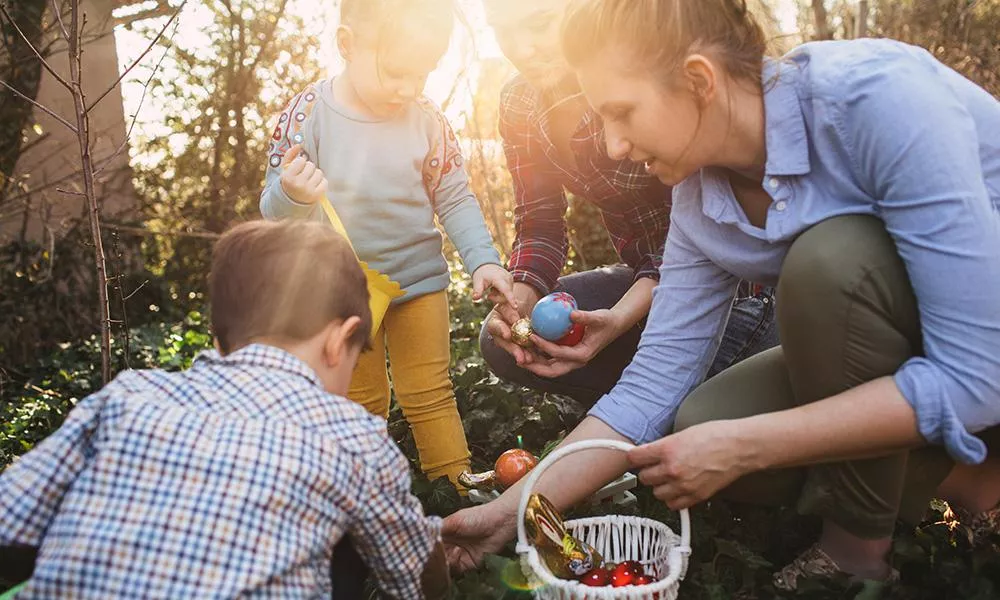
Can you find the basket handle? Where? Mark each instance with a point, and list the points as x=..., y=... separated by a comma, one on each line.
x=555, y=456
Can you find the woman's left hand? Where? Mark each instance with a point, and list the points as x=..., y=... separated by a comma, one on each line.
x=601, y=328
x=691, y=466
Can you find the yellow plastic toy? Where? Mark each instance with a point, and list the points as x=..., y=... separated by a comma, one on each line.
x=381, y=289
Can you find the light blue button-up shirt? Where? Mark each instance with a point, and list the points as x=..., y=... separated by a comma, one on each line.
x=869, y=127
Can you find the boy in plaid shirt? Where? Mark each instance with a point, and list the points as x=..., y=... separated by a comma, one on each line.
x=238, y=476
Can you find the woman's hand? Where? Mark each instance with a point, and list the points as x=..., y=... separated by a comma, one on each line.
x=503, y=316
x=691, y=466
x=472, y=533
x=602, y=327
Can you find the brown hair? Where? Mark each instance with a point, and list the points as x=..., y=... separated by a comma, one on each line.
x=286, y=280
x=661, y=33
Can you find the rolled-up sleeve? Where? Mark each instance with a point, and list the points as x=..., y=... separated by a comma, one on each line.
x=915, y=148
x=690, y=308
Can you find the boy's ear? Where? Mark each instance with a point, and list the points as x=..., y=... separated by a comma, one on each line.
x=338, y=340
x=345, y=42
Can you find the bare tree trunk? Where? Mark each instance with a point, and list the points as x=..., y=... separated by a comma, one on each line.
x=822, y=26
x=94, y=208
x=22, y=71
x=861, y=26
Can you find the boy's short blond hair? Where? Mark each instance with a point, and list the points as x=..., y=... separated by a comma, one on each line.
x=284, y=280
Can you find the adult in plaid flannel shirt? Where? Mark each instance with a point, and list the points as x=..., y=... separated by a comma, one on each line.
x=238, y=476
x=555, y=144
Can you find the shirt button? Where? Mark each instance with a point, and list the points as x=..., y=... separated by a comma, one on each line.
x=773, y=183
x=780, y=206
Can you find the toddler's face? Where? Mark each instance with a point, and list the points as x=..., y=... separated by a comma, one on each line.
x=389, y=78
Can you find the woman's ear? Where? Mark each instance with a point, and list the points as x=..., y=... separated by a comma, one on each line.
x=701, y=78
x=345, y=42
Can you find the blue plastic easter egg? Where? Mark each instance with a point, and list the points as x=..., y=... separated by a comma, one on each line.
x=550, y=317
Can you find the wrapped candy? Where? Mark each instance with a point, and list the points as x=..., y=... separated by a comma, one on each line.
x=520, y=333
x=513, y=465
x=626, y=573
x=508, y=470
x=478, y=481
x=564, y=555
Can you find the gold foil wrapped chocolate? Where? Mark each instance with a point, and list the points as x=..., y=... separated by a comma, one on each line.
x=487, y=480
x=520, y=333
x=564, y=555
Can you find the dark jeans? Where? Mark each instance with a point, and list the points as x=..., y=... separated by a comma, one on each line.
x=751, y=329
x=348, y=572
x=848, y=315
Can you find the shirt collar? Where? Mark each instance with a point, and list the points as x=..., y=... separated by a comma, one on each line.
x=260, y=356
x=785, y=127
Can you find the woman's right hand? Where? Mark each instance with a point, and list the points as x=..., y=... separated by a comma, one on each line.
x=503, y=316
x=472, y=533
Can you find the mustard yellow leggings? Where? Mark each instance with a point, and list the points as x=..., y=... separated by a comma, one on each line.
x=417, y=335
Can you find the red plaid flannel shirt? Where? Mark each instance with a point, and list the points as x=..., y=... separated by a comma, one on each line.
x=635, y=206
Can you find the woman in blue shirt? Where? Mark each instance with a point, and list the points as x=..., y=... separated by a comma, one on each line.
x=863, y=179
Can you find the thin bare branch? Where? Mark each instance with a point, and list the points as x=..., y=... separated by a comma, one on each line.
x=135, y=117
x=136, y=290
x=40, y=107
x=58, y=77
x=141, y=56
x=93, y=207
x=58, y=14
x=161, y=10
x=202, y=235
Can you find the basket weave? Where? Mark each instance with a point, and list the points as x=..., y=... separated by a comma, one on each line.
x=616, y=538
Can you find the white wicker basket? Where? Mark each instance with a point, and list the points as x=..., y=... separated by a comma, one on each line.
x=617, y=538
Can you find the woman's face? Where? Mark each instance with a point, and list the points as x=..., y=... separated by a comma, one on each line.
x=528, y=34
x=666, y=127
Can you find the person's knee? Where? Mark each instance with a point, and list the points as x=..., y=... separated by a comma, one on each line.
x=689, y=414
x=830, y=256
x=828, y=262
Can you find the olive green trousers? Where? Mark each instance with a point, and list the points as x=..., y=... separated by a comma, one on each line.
x=846, y=315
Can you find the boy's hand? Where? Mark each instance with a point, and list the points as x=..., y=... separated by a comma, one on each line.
x=435, y=580
x=472, y=533
x=301, y=179
x=499, y=283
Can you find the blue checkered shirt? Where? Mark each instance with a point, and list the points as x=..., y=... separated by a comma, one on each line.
x=234, y=478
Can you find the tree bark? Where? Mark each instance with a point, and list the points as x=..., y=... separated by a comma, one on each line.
x=22, y=70
x=822, y=26
x=861, y=28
